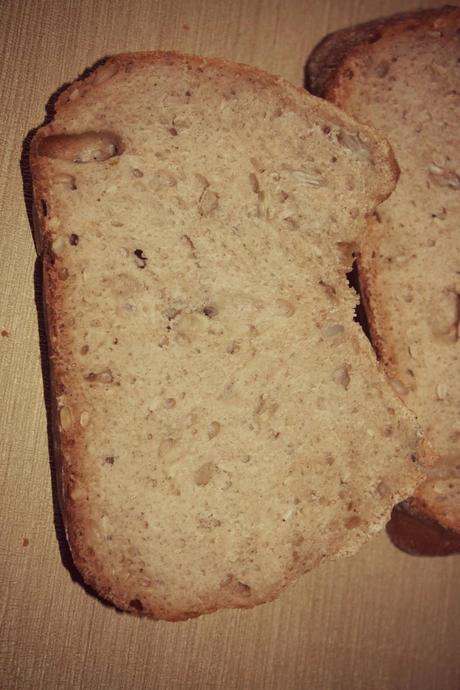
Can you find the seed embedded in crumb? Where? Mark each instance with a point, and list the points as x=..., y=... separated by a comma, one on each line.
x=104, y=376
x=441, y=391
x=205, y=473
x=443, y=177
x=66, y=180
x=166, y=446
x=258, y=165
x=413, y=351
x=254, y=182
x=164, y=179
x=58, y=246
x=204, y=182
x=286, y=307
x=399, y=387
x=214, y=429
x=341, y=376
x=84, y=419
x=310, y=178
x=78, y=494
x=333, y=329
x=232, y=347
x=208, y=202
x=65, y=418
x=353, y=142
x=353, y=522
x=383, y=489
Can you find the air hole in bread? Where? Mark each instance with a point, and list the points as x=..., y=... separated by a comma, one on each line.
x=210, y=311
x=360, y=313
x=139, y=258
x=136, y=604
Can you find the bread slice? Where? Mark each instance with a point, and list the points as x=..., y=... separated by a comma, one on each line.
x=402, y=76
x=221, y=422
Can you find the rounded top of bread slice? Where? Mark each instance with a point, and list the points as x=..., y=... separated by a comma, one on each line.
x=222, y=423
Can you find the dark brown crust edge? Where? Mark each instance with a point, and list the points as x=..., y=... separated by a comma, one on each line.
x=76, y=521
x=325, y=67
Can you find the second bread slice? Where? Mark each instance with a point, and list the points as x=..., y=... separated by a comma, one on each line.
x=401, y=74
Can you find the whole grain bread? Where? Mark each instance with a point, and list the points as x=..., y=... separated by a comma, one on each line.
x=221, y=422
x=402, y=76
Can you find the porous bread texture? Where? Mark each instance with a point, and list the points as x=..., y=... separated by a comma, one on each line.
x=221, y=422
x=402, y=76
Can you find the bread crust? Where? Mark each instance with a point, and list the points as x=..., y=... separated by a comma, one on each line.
x=70, y=448
x=327, y=75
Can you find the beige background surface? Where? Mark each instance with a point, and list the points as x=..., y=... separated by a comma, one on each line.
x=382, y=620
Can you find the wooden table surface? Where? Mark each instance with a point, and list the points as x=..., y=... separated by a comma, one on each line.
x=381, y=620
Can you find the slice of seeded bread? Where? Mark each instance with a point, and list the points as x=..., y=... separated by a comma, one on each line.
x=221, y=422
x=402, y=75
